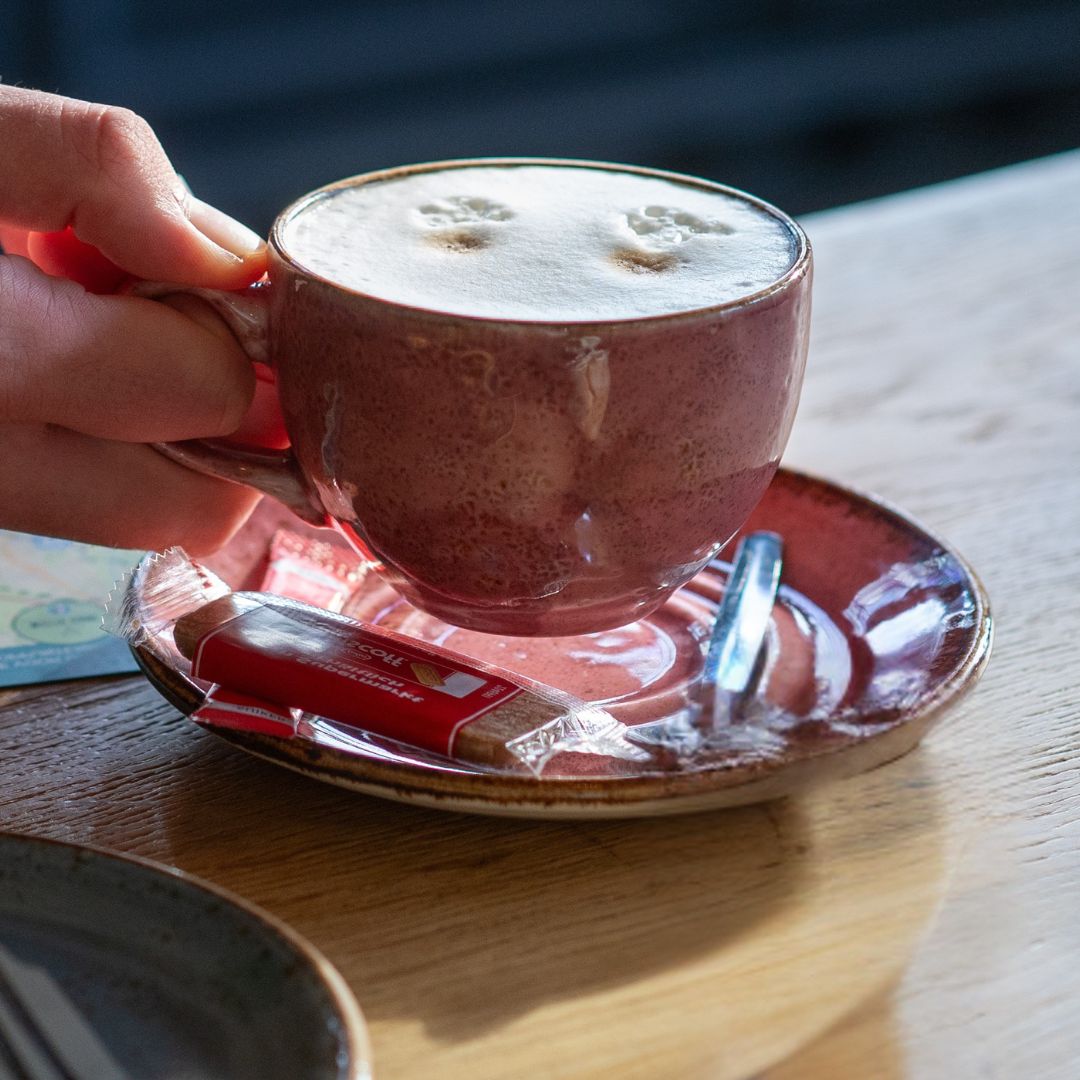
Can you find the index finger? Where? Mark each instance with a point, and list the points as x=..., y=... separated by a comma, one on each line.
x=102, y=171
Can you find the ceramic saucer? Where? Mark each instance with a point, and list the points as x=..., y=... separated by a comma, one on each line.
x=172, y=976
x=878, y=630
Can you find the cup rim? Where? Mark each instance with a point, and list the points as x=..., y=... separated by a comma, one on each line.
x=796, y=271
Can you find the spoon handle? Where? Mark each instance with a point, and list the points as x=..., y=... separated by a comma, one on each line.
x=743, y=616
x=738, y=634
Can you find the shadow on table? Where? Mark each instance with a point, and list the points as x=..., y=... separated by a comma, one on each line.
x=870, y=1034
x=721, y=941
x=464, y=922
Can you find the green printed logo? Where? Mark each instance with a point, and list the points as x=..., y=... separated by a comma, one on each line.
x=59, y=622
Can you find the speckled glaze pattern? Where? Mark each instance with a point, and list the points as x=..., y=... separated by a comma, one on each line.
x=176, y=977
x=536, y=478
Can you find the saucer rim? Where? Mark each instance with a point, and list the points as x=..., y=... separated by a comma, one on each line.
x=640, y=794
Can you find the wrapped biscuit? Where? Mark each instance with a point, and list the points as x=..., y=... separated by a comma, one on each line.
x=315, y=571
x=300, y=657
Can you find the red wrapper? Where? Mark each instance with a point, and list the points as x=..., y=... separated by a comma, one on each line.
x=326, y=664
x=280, y=655
x=314, y=571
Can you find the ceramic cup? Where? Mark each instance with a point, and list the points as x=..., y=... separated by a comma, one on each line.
x=514, y=476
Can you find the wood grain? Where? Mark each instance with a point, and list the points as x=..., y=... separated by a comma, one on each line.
x=486, y=948
x=945, y=375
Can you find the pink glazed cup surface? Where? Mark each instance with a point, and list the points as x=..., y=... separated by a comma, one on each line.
x=536, y=478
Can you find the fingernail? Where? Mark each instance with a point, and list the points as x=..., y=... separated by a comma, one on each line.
x=224, y=231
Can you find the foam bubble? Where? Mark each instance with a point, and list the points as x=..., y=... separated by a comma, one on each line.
x=548, y=242
x=665, y=225
x=462, y=210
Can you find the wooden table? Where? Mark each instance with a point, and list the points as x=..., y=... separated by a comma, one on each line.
x=917, y=921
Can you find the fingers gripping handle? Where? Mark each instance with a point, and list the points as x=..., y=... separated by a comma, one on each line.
x=274, y=472
x=246, y=312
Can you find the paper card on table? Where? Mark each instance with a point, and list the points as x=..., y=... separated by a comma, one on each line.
x=52, y=595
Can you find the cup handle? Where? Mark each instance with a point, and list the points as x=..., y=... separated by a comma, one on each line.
x=276, y=473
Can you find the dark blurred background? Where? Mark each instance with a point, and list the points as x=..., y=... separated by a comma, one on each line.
x=809, y=103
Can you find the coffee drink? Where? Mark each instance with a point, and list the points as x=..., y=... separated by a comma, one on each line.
x=541, y=242
x=542, y=395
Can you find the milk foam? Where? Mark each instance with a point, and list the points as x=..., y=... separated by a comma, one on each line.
x=544, y=242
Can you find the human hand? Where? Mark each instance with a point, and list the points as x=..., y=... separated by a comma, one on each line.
x=87, y=381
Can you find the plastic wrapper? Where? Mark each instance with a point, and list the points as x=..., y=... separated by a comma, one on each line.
x=283, y=654
x=314, y=571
